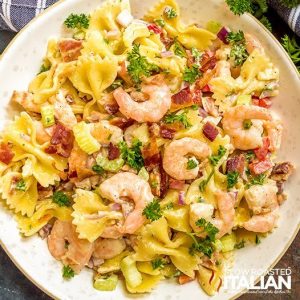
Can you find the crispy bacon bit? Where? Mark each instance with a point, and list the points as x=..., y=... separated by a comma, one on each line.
x=168, y=42
x=190, y=58
x=167, y=133
x=206, y=89
x=202, y=113
x=210, y=131
x=236, y=163
x=164, y=180
x=111, y=108
x=70, y=49
x=122, y=123
x=151, y=154
x=185, y=98
x=280, y=186
x=264, y=102
x=154, y=28
x=6, y=154
x=204, y=80
x=62, y=141
x=176, y=184
x=262, y=152
x=182, y=279
x=260, y=166
x=208, y=61
x=113, y=152
x=282, y=171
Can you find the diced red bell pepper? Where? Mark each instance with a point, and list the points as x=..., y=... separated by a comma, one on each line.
x=260, y=166
x=263, y=151
x=264, y=102
x=154, y=28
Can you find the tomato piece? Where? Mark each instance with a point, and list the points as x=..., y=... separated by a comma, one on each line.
x=263, y=151
x=260, y=166
x=154, y=28
x=206, y=89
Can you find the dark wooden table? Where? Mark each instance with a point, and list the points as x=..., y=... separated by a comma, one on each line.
x=15, y=286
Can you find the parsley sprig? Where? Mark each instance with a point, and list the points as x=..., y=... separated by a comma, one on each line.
x=203, y=183
x=76, y=21
x=191, y=164
x=139, y=65
x=67, y=272
x=153, y=211
x=179, y=49
x=232, y=179
x=172, y=118
x=170, y=12
x=191, y=74
x=208, y=228
x=238, y=50
x=257, y=180
x=158, y=263
x=132, y=155
x=214, y=159
x=21, y=185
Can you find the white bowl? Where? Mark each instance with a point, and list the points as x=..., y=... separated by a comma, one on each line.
x=20, y=63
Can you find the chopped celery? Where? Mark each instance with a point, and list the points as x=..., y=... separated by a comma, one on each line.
x=144, y=174
x=142, y=133
x=47, y=112
x=228, y=242
x=132, y=276
x=218, y=245
x=105, y=283
x=109, y=165
x=243, y=100
x=213, y=26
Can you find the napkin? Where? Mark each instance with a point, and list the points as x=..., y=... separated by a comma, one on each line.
x=15, y=14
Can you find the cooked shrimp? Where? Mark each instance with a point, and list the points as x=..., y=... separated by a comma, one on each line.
x=262, y=223
x=108, y=248
x=224, y=218
x=130, y=186
x=105, y=133
x=252, y=43
x=175, y=162
x=233, y=124
x=274, y=130
x=63, y=111
x=26, y=100
x=262, y=198
x=151, y=110
x=64, y=245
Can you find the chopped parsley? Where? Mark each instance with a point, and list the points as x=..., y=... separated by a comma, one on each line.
x=21, y=185
x=153, y=211
x=178, y=49
x=257, y=180
x=160, y=22
x=139, y=66
x=170, y=12
x=191, y=74
x=61, y=199
x=204, y=246
x=132, y=155
x=238, y=50
x=214, y=159
x=98, y=169
x=168, y=206
x=75, y=21
x=203, y=183
x=209, y=228
x=238, y=7
x=257, y=240
x=44, y=68
x=250, y=156
x=247, y=124
x=191, y=164
x=172, y=117
x=158, y=263
x=116, y=84
x=232, y=179
x=68, y=272
x=240, y=245
x=196, y=54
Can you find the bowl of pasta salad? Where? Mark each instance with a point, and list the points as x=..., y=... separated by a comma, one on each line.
x=148, y=149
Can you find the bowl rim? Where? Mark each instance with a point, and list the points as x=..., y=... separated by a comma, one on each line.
x=2, y=57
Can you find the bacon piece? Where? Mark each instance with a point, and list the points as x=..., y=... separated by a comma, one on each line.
x=182, y=279
x=168, y=42
x=164, y=180
x=167, y=133
x=176, y=184
x=70, y=49
x=154, y=28
x=262, y=152
x=208, y=61
x=282, y=171
x=122, y=123
x=264, y=102
x=111, y=108
x=6, y=154
x=185, y=98
x=204, y=80
x=190, y=58
x=260, y=166
x=236, y=163
x=61, y=141
x=151, y=154
x=113, y=152
x=210, y=131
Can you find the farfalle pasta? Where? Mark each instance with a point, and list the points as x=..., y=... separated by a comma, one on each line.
x=145, y=148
